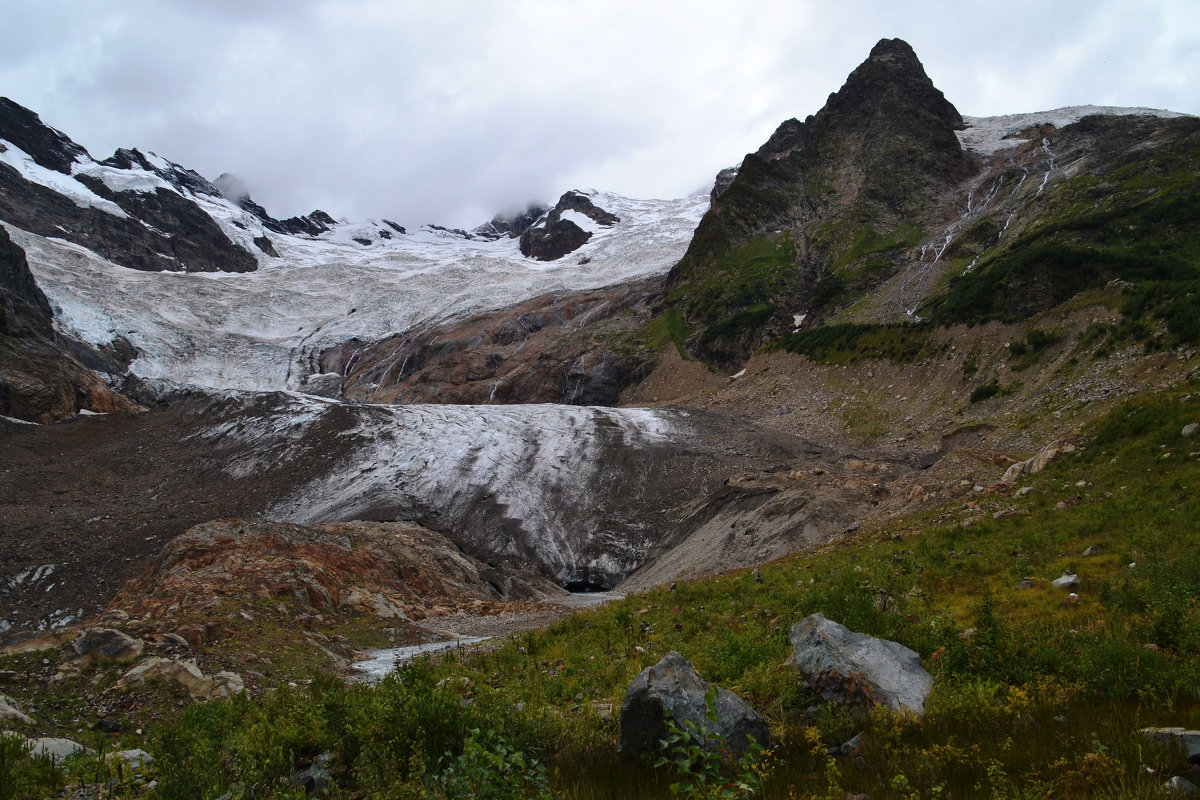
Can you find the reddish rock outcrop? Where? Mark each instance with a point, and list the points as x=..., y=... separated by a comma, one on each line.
x=389, y=569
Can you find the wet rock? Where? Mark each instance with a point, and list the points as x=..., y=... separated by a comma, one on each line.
x=672, y=689
x=108, y=645
x=852, y=668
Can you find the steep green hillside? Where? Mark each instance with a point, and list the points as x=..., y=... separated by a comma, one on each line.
x=870, y=213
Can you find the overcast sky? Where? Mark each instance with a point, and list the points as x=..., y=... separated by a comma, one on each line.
x=448, y=111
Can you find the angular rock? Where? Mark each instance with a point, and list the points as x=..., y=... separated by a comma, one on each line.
x=108, y=644
x=852, y=668
x=220, y=685
x=10, y=711
x=672, y=689
x=1037, y=463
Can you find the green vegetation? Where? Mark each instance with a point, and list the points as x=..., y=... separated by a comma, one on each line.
x=666, y=327
x=1035, y=694
x=847, y=342
x=754, y=271
x=1139, y=226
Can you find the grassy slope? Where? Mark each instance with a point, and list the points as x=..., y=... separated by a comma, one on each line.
x=1032, y=695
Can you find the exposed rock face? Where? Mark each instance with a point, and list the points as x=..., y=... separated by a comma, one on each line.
x=387, y=569
x=882, y=151
x=552, y=349
x=156, y=229
x=511, y=226
x=856, y=669
x=42, y=376
x=48, y=147
x=723, y=181
x=673, y=690
x=552, y=237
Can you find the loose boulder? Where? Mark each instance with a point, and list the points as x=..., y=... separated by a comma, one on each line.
x=1188, y=740
x=220, y=685
x=9, y=711
x=107, y=644
x=856, y=669
x=673, y=690
x=1033, y=466
x=54, y=748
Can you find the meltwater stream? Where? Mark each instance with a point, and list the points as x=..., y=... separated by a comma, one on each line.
x=382, y=662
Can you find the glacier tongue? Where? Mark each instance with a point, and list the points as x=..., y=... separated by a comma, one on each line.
x=577, y=494
x=261, y=330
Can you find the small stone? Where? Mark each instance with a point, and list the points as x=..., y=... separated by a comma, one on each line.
x=1090, y=551
x=1071, y=599
x=1190, y=429
x=1026, y=584
x=1069, y=580
x=134, y=759
x=108, y=726
x=852, y=746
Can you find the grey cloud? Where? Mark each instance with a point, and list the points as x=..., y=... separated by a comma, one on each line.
x=432, y=112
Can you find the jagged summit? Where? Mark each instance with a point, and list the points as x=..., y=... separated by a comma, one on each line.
x=882, y=150
x=48, y=147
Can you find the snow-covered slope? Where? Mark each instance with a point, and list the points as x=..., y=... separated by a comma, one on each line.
x=989, y=135
x=257, y=330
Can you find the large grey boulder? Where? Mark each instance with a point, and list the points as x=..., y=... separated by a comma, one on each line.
x=672, y=689
x=1186, y=739
x=52, y=747
x=856, y=669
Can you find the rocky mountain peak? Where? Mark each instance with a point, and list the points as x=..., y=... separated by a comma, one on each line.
x=48, y=147
x=892, y=80
x=882, y=151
